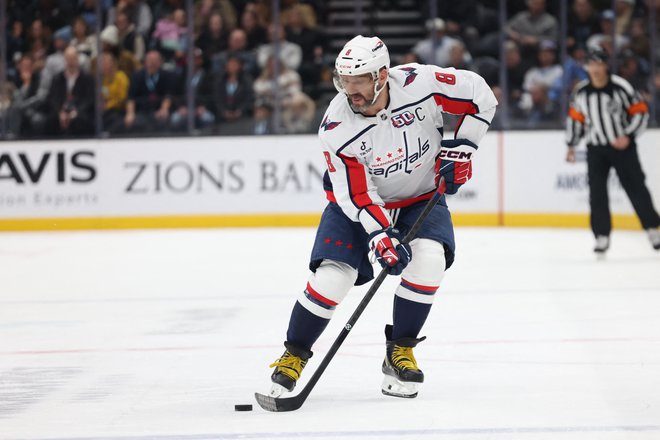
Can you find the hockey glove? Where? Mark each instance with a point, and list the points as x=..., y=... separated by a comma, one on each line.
x=453, y=166
x=390, y=253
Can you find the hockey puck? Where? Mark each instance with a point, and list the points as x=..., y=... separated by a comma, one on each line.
x=242, y=407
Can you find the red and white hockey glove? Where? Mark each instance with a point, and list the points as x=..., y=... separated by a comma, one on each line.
x=453, y=166
x=390, y=253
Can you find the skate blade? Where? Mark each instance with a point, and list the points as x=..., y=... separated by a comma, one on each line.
x=395, y=388
x=277, y=390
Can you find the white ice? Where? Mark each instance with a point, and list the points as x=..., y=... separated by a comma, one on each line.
x=136, y=335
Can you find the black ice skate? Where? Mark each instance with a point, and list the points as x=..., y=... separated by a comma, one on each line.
x=654, y=238
x=288, y=368
x=402, y=375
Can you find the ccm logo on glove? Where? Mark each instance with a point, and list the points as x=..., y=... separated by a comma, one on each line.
x=453, y=165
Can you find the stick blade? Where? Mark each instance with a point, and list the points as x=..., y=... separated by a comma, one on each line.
x=276, y=404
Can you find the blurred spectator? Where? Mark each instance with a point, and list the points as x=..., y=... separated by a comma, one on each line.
x=603, y=40
x=298, y=113
x=205, y=8
x=436, y=52
x=214, y=37
x=84, y=43
x=161, y=9
x=23, y=117
x=55, y=63
x=410, y=57
x=290, y=53
x=457, y=57
x=16, y=46
x=545, y=74
x=573, y=71
x=234, y=92
x=639, y=40
x=311, y=43
x=543, y=112
x=624, y=10
x=128, y=38
x=515, y=71
x=71, y=99
x=237, y=49
x=150, y=96
x=256, y=34
x=53, y=14
x=126, y=61
x=286, y=84
x=583, y=21
x=39, y=39
x=631, y=71
x=87, y=10
x=202, y=84
x=138, y=12
x=170, y=36
x=528, y=28
x=114, y=92
x=307, y=15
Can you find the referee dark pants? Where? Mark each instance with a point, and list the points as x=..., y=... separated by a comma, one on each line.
x=626, y=164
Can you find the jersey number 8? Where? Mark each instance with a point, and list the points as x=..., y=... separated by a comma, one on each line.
x=446, y=78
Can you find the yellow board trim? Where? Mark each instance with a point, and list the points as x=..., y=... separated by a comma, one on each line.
x=292, y=220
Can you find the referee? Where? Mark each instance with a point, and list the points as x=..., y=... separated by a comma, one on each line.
x=610, y=114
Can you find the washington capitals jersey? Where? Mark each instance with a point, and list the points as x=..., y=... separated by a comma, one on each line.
x=382, y=162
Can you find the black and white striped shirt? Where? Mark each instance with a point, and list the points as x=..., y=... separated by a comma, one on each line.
x=603, y=114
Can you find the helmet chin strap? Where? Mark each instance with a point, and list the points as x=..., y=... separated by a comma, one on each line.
x=377, y=90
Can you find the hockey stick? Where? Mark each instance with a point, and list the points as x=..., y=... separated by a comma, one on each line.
x=277, y=404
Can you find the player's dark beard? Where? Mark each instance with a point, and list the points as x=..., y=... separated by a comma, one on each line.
x=360, y=108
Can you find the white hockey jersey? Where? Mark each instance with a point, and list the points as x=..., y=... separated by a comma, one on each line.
x=383, y=162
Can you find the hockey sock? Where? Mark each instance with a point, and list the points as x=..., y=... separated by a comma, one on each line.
x=409, y=318
x=304, y=327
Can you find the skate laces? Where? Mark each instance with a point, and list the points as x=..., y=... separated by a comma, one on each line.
x=289, y=365
x=403, y=358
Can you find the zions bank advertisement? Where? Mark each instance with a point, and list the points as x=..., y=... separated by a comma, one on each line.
x=514, y=172
x=161, y=177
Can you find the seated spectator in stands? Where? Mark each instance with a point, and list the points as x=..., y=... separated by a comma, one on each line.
x=70, y=99
x=311, y=43
x=126, y=61
x=288, y=83
x=604, y=39
x=170, y=36
x=545, y=73
x=234, y=94
x=256, y=34
x=138, y=12
x=639, y=39
x=16, y=46
x=624, y=10
x=306, y=12
x=84, y=43
x=543, y=112
x=114, y=92
x=150, y=96
x=298, y=113
x=202, y=83
x=214, y=37
x=39, y=40
x=441, y=55
x=583, y=21
x=55, y=62
x=630, y=69
x=128, y=38
x=87, y=11
x=458, y=56
x=205, y=8
x=23, y=110
x=290, y=53
x=528, y=28
x=516, y=68
x=573, y=71
x=237, y=49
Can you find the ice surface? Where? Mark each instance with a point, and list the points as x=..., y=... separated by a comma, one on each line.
x=135, y=335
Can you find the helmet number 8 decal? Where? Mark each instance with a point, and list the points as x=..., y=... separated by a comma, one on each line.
x=446, y=78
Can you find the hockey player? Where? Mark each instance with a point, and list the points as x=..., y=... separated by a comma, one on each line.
x=382, y=138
